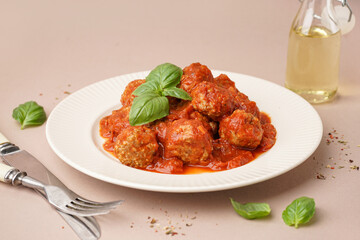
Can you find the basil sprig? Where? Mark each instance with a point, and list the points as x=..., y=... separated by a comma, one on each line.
x=251, y=210
x=29, y=114
x=300, y=211
x=151, y=101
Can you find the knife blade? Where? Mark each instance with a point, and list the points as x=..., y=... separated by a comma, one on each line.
x=86, y=228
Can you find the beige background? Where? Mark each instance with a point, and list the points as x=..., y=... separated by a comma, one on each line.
x=49, y=47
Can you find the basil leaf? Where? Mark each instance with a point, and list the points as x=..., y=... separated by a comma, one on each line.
x=147, y=87
x=300, y=211
x=29, y=114
x=167, y=75
x=176, y=92
x=251, y=210
x=147, y=108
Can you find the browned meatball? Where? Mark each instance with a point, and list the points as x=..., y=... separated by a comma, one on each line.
x=193, y=75
x=224, y=81
x=127, y=97
x=189, y=141
x=212, y=101
x=241, y=129
x=243, y=102
x=136, y=146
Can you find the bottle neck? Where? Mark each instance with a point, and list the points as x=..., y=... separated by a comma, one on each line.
x=316, y=13
x=318, y=6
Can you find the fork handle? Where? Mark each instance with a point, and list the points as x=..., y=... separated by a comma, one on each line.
x=9, y=174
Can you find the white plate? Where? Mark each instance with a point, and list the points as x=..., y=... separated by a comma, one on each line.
x=72, y=131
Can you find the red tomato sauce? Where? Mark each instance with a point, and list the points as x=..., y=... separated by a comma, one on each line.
x=224, y=155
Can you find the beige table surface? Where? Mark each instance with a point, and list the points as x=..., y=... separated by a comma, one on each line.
x=51, y=47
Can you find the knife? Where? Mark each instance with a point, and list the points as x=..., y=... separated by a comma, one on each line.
x=86, y=228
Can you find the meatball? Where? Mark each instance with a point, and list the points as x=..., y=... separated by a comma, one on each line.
x=224, y=81
x=212, y=101
x=241, y=129
x=182, y=110
x=209, y=125
x=189, y=141
x=193, y=75
x=127, y=97
x=242, y=102
x=117, y=121
x=136, y=146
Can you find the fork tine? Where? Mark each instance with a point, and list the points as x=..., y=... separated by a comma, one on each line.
x=92, y=206
x=84, y=211
x=113, y=203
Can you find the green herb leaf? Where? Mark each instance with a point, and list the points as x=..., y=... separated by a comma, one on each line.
x=151, y=102
x=251, y=210
x=29, y=114
x=167, y=75
x=147, y=87
x=148, y=107
x=176, y=92
x=300, y=211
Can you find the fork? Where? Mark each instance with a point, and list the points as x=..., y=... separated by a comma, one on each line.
x=62, y=199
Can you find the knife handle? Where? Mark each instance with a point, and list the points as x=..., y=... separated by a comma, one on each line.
x=9, y=174
x=3, y=139
x=5, y=171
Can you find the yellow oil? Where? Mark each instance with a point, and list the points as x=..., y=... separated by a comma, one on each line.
x=313, y=63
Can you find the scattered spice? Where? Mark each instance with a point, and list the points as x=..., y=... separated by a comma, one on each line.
x=66, y=92
x=336, y=139
x=169, y=228
x=170, y=231
x=320, y=176
x=354, y=167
